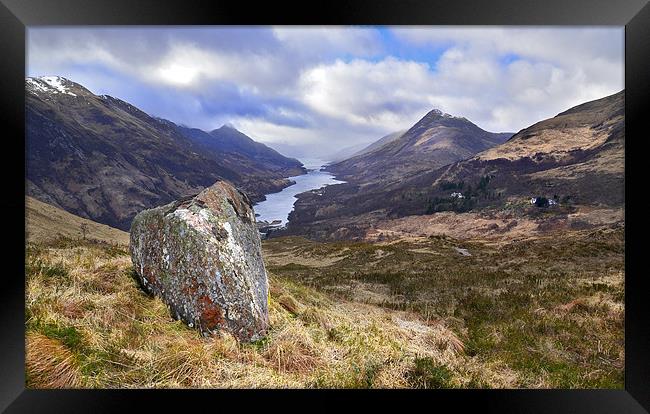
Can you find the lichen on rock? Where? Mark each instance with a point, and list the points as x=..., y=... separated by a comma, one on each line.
x=202, y=256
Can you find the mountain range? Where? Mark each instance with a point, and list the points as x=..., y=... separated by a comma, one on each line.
x=435, y=140
x=379, y=143
x=456, y=279
x=446, y=163
x=103, y=159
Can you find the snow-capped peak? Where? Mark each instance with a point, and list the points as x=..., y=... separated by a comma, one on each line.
x=435, y=114
x=50, y=84
x=438, y=112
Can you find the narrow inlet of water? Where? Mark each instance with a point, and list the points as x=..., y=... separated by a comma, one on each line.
x=277, y=206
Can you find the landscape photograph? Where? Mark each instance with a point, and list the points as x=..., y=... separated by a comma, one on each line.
x=424, y=207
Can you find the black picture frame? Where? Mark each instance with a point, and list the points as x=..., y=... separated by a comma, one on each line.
x=16, y=15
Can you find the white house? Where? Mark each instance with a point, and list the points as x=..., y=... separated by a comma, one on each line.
x=457, y=195
x=551, y=202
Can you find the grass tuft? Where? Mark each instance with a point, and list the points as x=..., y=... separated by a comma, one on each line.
x=428, y=374
x=50, y=364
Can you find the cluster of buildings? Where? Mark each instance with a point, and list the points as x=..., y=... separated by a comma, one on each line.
x=533, y=200
x=551, y=202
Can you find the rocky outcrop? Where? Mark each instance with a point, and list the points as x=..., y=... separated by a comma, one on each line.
x=202, y=256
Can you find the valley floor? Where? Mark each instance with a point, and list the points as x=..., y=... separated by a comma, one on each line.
x=544, y=312
x=427, y=312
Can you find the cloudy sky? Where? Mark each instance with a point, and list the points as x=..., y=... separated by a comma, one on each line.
x=311, y=91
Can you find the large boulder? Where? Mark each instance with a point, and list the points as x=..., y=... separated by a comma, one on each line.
x=202, y=256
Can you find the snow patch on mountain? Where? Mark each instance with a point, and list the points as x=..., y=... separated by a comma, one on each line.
x=50, y=84
x=438, y=112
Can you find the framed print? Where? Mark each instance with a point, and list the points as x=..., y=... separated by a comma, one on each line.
x=380, y=200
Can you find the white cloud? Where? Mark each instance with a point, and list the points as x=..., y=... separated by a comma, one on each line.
x=323, y=88
x=186, y=65
x=557, y=44
x=513, y=77
x=328, y=41
x=271, y=133
x=363, y=93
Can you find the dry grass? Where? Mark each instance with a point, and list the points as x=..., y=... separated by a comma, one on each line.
x=89, y=325
x=50, y=364
x=547, y=312
x=294, y=350
x=46, y=223
x=556, y=143
x=539, y=314
x=494, y=227
x=289, y=303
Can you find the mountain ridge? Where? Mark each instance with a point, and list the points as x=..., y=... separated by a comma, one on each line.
x=437, y=139
x=386, y=139
x=101, y=158
x=558, y=158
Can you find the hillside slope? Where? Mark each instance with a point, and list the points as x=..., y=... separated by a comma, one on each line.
x=423, y=316
x=437, y=139
x=104, y=159
x=380, y=143
x=360, y=149
x=574, y=158
x=45, y=223
x=263, y=170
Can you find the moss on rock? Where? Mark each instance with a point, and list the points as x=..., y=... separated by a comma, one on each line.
x=202, y=256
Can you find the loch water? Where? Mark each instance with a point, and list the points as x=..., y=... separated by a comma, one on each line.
x=277, y=206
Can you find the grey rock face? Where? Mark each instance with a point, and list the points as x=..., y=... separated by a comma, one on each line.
x=202, y=256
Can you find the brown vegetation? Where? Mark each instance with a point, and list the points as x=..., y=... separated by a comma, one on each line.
x=542, y=311
x=44, y=222
x=89, y=325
